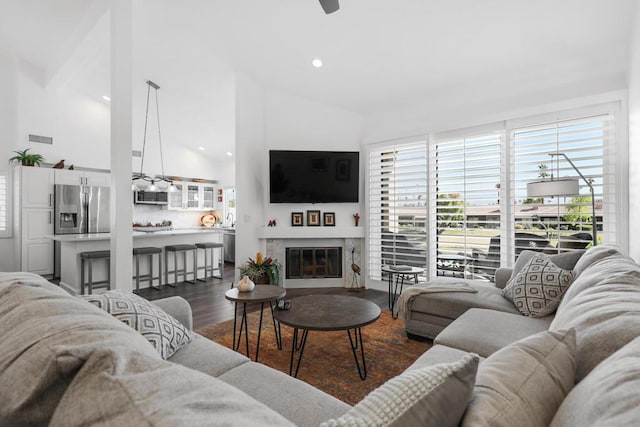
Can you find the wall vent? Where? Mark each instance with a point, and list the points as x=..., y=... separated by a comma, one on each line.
x=136, y=153
x=41, y=139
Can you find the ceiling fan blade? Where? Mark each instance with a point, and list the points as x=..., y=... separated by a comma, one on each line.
x=329, y=6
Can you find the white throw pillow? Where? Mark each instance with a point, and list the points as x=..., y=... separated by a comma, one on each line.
x=536, y=290
x=161, y=329
x=433, y=396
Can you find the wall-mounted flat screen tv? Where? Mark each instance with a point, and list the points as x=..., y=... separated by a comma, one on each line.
x=314, y=176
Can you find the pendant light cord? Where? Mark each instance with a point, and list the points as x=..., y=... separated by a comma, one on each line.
x=159, y=136
x=144, y=137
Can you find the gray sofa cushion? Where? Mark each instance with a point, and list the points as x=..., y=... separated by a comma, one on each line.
x=438, y=354
x=524, y=383
x=605, y=316
x=207, y=356
x=436, y=395
x=608, y=396
x=486, y=331
x=593, y=255
x=452, y=304
x=613, y=265
x=299, y=402
x=123, y=388
x=46, y=336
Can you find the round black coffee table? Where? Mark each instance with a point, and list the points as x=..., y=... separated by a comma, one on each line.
x=261, y=294
x=328, y=313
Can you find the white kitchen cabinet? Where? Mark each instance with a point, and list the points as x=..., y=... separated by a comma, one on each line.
x=35, y=203
x=195, y=196
x=36, y=250
x=73, y=177
x=36, y=187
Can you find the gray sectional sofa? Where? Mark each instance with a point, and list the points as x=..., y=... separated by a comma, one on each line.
x=602, y=306
x=64, y=362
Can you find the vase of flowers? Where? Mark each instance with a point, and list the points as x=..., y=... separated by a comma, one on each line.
x=261, y=270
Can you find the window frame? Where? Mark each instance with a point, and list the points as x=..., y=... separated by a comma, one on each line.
x=7, y=232
x=614, y=155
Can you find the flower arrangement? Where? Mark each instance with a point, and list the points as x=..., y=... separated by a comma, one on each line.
x=261, y=270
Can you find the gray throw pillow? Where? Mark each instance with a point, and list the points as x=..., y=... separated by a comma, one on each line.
x=565, y=260
x=46, y=335
x=435, y=395
x=120, y=387
x=536, y=290
x=608, y=396
x=161, y=329
x=524, y=383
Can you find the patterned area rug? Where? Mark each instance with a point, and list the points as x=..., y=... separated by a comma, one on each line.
x=328, y=362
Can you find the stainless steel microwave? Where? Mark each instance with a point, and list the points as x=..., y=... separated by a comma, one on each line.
x=151, y=197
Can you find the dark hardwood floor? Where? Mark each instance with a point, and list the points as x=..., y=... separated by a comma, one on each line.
x=210, y=306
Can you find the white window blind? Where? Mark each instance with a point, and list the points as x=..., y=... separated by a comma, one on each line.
x=563, y=223
x=466, y=182
x=397, y=206
x=5, y=225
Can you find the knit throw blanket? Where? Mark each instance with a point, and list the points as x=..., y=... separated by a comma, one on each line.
x=434, y=286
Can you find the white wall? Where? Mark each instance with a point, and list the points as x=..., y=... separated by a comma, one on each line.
x=251, y=172
x=8, y=135
x=634, y=139
x=293, y=123
x=268, y=119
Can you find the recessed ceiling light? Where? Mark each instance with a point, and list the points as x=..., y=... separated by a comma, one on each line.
x=201, y=148
x=317, y=63
x=229, y=153
x=106, y=98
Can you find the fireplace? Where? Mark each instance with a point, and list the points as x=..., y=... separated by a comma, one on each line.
x=313, y=262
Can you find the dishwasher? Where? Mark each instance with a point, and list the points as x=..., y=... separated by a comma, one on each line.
x=229, y=240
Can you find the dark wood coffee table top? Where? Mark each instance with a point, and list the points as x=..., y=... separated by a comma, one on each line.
x=328, y=313
x=261, y=293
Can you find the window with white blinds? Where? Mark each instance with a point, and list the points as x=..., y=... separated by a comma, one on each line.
x=457, y=203
x=397, y=206
x=5, y=226
x=563, y=223
x=466, y=180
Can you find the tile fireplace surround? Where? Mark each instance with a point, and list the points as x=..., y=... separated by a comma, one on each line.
x=348, y=238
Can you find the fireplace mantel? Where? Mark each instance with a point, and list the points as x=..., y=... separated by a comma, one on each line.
x=274, y=233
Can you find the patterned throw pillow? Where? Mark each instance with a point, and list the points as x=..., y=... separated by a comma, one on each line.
x=537, y=289
x=161, y=329
x=436, y=395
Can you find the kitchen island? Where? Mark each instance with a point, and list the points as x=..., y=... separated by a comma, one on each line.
x=71, y=245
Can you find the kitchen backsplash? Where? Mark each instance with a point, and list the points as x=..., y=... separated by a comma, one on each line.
x=156, y=214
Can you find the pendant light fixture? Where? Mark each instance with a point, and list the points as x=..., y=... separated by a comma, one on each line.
x=141, y=176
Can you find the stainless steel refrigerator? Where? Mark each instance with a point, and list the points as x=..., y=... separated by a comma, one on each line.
x=79, y=209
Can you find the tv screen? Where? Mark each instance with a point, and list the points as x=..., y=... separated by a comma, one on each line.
x=314, y=176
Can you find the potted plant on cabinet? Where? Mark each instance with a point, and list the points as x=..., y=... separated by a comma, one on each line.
x=26, y=159
x=261, y=270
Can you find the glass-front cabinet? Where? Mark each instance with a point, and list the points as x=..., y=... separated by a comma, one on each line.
x=193, y=196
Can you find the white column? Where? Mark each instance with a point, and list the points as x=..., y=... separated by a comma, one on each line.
x=121, y=135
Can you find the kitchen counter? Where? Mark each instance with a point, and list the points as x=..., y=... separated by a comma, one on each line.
x=138, y=234
x=71, y=245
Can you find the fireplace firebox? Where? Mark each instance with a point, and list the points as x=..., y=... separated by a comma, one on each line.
x=319, y=262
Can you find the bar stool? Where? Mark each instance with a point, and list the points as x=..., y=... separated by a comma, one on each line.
x=209, y=249
x=176, y=272
x=88, y=258
x=149, y=252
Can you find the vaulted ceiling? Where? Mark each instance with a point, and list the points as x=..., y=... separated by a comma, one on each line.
x=377, y=54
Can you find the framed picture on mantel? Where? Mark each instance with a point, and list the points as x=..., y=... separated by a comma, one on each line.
x=297, y=219
x=313, y=218
x=329, y=219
